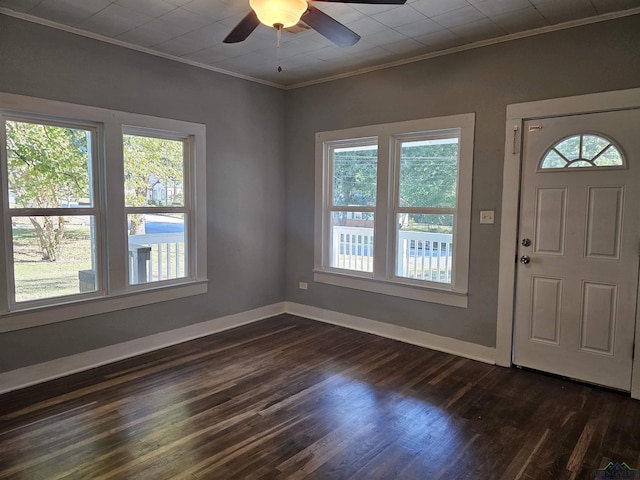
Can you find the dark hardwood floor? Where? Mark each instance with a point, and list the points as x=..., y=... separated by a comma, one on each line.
x=290, y=398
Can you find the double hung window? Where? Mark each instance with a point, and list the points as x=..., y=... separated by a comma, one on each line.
x=52, y=213
x=393, y=208
x=156, y=207
x=352, y=205
x=101, y=210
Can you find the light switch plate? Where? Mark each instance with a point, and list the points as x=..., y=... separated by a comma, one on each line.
x=487, y=217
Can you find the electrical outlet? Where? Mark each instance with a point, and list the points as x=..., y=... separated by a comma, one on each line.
x=303, y=285
x=487, y=217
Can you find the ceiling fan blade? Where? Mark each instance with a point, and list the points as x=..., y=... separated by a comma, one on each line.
x=243, y=29
x=370, y=2
x=329, y=28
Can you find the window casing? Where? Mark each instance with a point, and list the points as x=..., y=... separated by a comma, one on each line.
x=401, y=238
x=102, y=258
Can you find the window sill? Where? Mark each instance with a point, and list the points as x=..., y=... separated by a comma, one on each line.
x=423, y=294
x=37, y=316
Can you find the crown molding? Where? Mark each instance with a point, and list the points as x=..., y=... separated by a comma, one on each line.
x=484, y=43
x=96, y=36
x=474, y=45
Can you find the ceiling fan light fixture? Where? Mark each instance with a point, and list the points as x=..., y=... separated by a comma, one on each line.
x=274, y=12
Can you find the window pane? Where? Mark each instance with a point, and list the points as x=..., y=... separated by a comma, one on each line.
x=153, y=171
x=611, y=157
x=429, y=173
x=592, y=145
x=569, y=147
x=424, y=247
x=157, y=247
x=53, y=256
x=355, y=171
x=553, y=160
x=580, y=164
x=352, y=241
x=48, y=166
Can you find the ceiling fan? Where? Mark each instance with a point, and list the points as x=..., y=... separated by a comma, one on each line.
x=281, y=14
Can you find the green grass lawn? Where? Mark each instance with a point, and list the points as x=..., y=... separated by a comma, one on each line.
x=36, y=278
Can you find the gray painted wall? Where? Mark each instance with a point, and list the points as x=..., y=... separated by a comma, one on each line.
x=594, y=58
x=245, y=175
x=260, y=146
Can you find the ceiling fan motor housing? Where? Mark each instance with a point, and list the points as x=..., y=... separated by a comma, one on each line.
x=281, y=14
x=273, y=12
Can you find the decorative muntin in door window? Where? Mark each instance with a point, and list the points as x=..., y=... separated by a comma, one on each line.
x=585, y=150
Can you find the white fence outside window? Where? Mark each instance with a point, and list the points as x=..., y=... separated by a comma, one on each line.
x=420, y=255
x=154, y=257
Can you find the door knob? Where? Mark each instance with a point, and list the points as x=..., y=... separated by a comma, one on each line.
x=525, y=259
x=525, y=242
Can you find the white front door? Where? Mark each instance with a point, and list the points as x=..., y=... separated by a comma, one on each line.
x=579, y=234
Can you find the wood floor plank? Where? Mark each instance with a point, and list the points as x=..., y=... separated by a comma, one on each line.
x=290, y=398
x=521, y=461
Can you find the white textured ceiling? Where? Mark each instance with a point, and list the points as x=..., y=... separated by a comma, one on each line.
x=193, y=30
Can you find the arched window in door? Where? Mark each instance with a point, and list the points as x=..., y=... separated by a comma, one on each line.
x=585, y=150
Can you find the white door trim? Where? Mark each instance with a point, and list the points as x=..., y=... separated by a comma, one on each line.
x=516, y=115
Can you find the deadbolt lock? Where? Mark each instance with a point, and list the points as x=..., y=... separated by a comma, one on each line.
x=526, y=242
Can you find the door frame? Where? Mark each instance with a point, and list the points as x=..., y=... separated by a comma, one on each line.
x=517, y=114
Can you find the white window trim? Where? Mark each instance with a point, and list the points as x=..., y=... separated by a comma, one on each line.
x=383, y=280
x=116, y=294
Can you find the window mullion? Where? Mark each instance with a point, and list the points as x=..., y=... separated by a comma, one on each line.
x=394, y=202
x=383, y=207
x=351, y=208
x=190, y=242
x=425, y=210
x=151, y=209
x=115, y=222
x=57, y=212
x=5, y=222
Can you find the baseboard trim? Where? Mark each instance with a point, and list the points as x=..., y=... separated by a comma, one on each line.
x=407, y=335
x=60, y=367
